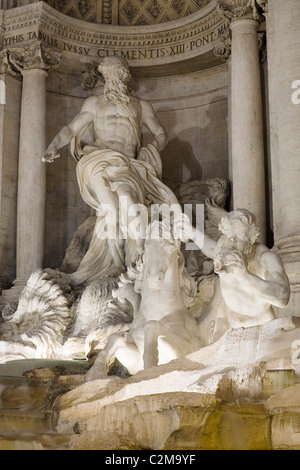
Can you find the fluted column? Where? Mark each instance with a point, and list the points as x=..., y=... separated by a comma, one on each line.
x=33, y=62
x=247, y=140
x=283, y=33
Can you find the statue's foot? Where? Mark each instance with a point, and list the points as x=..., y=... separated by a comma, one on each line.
x=95, y=373
x=98, y=370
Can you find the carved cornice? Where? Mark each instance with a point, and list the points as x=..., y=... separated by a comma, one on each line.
x=125, y=37
x=33, y=56
x=50, y=20
x=23, y=17
x=238, y=9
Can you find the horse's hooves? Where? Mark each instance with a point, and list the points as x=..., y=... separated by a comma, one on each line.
x=92, y=375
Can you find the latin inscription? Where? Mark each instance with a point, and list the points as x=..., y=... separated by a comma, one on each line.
x=130, y=54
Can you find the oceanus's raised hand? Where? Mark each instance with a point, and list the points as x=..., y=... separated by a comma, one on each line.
x=49, y=157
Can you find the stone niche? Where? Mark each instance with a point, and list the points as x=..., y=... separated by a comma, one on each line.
x=173, y=65
x=192, y=108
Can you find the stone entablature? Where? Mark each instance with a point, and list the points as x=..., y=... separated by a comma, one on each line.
x=172, y=42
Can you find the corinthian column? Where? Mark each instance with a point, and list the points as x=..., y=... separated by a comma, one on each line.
x=283, y=34
x=247, y=142
x=33, y=62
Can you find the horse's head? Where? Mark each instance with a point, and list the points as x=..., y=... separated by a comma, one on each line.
x=160, y=258
x=161, y=254
x=163, y=270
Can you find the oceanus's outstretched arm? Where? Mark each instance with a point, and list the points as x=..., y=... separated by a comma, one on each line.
x=70, y=131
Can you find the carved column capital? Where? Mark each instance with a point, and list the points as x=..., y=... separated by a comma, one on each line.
x=91, y=77
x=223, y=48
x=239, y=9
x=32, y=57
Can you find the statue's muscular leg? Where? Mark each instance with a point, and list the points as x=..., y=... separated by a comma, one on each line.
x=129, y=210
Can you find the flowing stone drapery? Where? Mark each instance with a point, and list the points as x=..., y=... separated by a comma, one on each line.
x=282, y=19
x=33, y=62
x=246, y=118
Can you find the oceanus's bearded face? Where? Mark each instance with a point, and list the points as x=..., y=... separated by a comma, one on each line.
x=115, y=88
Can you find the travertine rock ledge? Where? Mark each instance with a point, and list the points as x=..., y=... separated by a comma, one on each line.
x=242, y=392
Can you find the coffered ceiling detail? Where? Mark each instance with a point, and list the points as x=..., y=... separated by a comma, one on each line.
x=120, y=12
x=145, y=12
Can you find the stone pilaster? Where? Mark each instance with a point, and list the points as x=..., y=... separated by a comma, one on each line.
x=33, y=62
x=245, y=114
x=223, y=51
x=283, y=39
x=10, y=103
